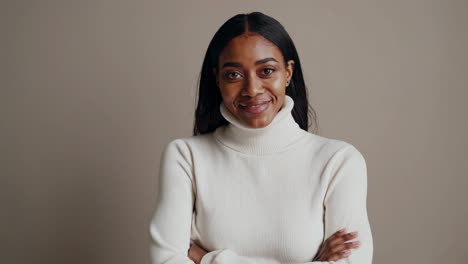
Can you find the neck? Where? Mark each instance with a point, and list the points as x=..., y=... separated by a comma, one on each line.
x=280, y=133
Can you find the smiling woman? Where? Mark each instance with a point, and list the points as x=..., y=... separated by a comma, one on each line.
x=250, y=52
x=252, y=185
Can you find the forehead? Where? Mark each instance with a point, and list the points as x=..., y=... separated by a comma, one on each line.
x=248, y=49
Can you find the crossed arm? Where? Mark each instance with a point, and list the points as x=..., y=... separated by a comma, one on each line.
x=344, y=203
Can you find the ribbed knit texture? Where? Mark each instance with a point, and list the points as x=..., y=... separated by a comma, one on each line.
x=275, y=137
x=259, y=195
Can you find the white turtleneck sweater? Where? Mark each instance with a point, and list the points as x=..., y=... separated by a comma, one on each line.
x=259, y=195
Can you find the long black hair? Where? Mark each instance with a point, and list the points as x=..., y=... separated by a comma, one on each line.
x=207, y=114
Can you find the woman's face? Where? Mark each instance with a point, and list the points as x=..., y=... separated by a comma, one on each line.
x=252, y=79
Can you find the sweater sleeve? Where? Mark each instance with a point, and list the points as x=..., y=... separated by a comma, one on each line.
x=345, y=203
x=345, y=206
x=171, y=222
x=227, y=256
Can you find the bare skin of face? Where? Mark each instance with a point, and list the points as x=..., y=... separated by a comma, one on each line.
x=252, y=79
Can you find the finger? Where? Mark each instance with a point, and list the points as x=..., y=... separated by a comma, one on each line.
x=346, y=246
x=343, y=238
x=198, y=248
x=349, y=236
x=335, y=235
x=194, y=249
x=345, y=253
x=338, y=233
x=340, y=255
x=341, y=231
x=336, y=240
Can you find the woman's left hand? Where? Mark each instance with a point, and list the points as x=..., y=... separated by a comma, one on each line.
x=196, y=253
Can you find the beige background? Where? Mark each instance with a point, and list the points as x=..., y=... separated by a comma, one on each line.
x=92, y=90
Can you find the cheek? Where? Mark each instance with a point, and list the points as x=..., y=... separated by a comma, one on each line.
x=229, y=93
x=277, y=83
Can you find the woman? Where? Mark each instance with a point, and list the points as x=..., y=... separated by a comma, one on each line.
x=252, y=185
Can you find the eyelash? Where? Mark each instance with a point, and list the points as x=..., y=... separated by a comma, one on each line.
x=227, y=74
x=272, y=71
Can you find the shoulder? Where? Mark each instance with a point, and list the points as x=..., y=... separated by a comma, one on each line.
x=335, y=154
x=346, y=150
x=331, y=148
x=345, y=161
x=185, y=146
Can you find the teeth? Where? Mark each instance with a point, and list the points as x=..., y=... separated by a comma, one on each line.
x=244, y=105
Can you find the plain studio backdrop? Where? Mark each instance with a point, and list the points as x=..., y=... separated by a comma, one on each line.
x=91, y=91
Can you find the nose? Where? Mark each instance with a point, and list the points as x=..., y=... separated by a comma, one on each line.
x=252, y=86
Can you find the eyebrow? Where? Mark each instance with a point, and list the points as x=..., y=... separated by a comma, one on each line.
x=236, y=64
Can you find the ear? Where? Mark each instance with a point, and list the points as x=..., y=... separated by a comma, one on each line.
x=289, y=69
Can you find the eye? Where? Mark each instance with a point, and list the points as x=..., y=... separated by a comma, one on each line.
x=232, y=75
x=268, y=71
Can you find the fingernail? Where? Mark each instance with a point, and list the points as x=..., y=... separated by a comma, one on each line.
x=342, y=230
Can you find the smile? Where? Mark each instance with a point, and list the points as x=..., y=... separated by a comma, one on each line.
x=254, y=109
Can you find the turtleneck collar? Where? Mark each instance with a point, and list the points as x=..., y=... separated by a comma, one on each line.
x=276, y=136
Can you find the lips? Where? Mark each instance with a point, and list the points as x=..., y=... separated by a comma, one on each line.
x=254, y=107
x=252, y=103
